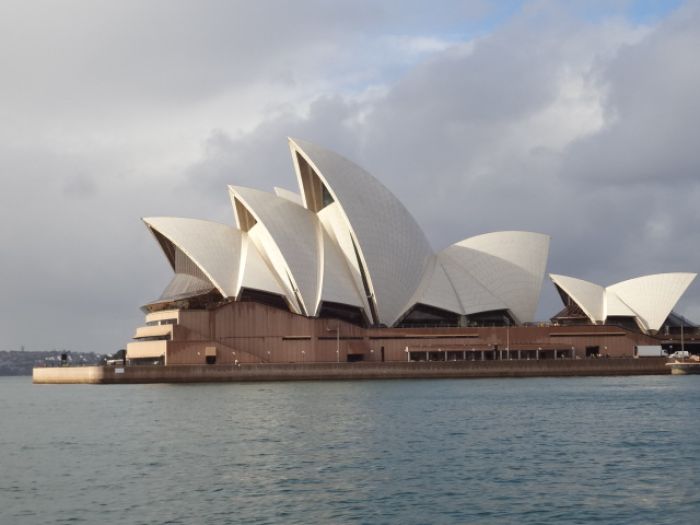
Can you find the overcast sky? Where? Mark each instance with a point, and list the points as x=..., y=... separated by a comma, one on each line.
x=575, y=119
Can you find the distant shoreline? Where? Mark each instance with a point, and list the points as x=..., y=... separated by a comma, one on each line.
x=21, y=362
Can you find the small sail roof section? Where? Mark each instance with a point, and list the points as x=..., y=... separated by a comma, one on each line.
x=614, y=306
x=338, y=283
x=182, y=286
x=437, y=290
x=335, y=226
x=652, y=297
x=393, y=251
x=214, y=248
x=291, y=242
x=473, y=296
x=589, y=296
x=509, y=264
x=255, y=274
x=289, y=195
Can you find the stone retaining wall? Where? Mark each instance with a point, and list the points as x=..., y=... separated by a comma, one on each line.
x=349, y=371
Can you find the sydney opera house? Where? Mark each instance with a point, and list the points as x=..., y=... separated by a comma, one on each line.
x=341, y=272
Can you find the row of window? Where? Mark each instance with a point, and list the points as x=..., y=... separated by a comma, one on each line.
x=161, y=322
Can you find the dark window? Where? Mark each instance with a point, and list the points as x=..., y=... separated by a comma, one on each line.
x=592, y=351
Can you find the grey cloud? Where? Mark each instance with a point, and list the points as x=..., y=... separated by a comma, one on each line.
x=79, y=185
x=99, y=59
x=653, y=109
x=446, y=137
x=436, y=140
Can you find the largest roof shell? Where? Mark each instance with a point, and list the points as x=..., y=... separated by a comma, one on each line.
x=393, y=251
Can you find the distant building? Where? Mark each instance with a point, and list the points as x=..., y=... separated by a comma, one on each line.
x=342, y=272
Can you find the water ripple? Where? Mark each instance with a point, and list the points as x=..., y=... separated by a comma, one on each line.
x=531, y=451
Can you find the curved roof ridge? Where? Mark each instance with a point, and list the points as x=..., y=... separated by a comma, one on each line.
x=589, y=296
x=293, y=231
x=437, y=289
x=391, y=246
x=213, y=247
x=653, y=296
x=255, y=274
x=473, y=295
x=288, y=194
x=337, y=284
x=509, y=264
x=179, y=217
x=653, y=275
x=498, y=249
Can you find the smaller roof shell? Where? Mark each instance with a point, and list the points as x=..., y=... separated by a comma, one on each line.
x=294, y=230
x=589, y=296
x=289, y=195
x=652, y=297
x=649, y=299
x=301, y=250
x=256, y=274
x=213, y=247
x=508, y=266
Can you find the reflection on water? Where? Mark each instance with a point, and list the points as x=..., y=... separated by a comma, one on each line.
x=588, y=450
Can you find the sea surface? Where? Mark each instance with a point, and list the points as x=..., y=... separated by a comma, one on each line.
x=622, y=450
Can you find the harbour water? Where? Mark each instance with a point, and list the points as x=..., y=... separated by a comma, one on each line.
x=618, y=450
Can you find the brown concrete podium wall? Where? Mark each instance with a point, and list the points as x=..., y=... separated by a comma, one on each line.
x=350, y=371
x=249, y=332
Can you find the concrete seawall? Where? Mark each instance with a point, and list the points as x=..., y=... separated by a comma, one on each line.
x=349, y=371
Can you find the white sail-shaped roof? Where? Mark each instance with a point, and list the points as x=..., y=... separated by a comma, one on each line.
x=289, y=195
x=256, y=275
x=290, y=241
x=509, y=265
x=392, y=249
x=345, y=239
x=589, y=296
x=649, y=299
x=213, y=247
x=614, y=306
x=437, y=289
x=473, y=296
x=338, y=283
x=302, y=251
x=652, y=297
